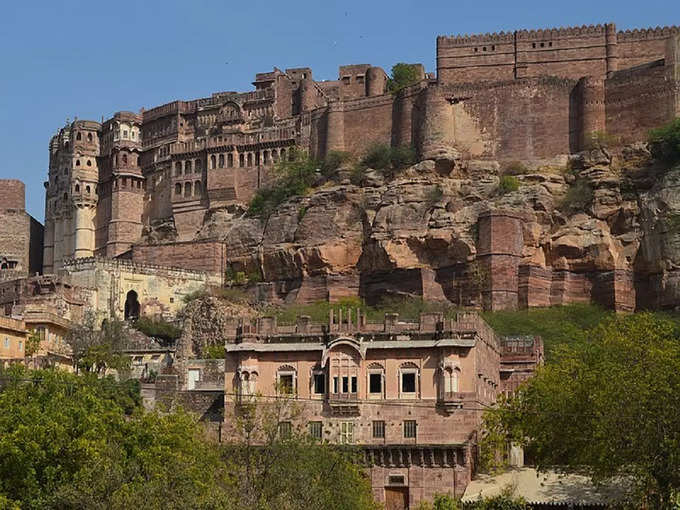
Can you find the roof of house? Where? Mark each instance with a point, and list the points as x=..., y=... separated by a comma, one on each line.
x=545, y=487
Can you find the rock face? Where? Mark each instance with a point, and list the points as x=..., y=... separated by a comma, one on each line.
x=594, y=226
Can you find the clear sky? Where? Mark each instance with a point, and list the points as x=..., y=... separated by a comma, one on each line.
x=90, y=59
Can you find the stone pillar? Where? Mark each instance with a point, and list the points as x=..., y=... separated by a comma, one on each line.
x=612, y=49
x=48, y=246
x=592, y=108
x=436, y=125
x=499, y=252
x=335, y=128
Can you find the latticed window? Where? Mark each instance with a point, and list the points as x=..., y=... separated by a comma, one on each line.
x=315, y=429
x=379, y=429
x=285, y=429
x=346, y=432
x=410, y=429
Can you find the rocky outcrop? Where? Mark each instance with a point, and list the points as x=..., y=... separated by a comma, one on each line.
x=593, y=226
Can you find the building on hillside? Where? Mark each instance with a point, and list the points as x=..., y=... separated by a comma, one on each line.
x=13, y=336
x=526, y=95
x=52, y=329
x=411, y=395
x=21, y=235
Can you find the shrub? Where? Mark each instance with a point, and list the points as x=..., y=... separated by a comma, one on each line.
x=333, y=161
x=664, y=142
x=434, y=195
x=378, y=156
x=515, y=168
x=402, y=76
x=578, y=198
x=385, y=158
x=507, y=184
x=214, y=352
x=197, y=294
x=157, y=328
x=301, y=213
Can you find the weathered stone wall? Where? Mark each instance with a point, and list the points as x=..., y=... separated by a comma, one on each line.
x=208, y=256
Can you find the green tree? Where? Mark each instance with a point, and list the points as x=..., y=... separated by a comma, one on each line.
x=402, y=76
x=72, y=442
x=96, y=349
x=32, y=344
x=608, y=403
x=664, y=142
x=271, y=467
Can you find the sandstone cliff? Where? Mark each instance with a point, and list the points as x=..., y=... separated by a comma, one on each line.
x=594, y=226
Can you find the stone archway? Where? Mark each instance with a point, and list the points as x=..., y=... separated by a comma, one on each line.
x=131, y=306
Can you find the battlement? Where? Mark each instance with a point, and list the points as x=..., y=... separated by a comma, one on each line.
x=648, y=33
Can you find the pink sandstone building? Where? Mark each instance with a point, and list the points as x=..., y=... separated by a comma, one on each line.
x=411, y=395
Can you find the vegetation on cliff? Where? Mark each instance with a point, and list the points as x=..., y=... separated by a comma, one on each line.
x=664, y=142
x=607, y=403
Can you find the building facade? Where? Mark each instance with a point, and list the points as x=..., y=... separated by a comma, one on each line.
x=411, y=395
x=525, y=95
x=13, y=336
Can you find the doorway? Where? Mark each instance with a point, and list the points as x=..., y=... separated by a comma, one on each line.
x=131, y=306
x=396, y=498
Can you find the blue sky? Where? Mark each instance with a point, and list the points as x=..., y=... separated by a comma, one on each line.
x=90, y=59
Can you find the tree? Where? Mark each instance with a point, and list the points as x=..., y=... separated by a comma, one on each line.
x=609, y=404
x=74, y=442
x=402, y=76
x=32, y=344
x=281, y=467
x=96, y=349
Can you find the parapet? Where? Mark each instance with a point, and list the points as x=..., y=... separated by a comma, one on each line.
x=648, y=33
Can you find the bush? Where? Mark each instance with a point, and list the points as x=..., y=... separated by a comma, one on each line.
x=664, y=142
x=578, y=198
x=507, y=184
x=403, y=75
x=197, y=294
x=434, y=195
x=333, y=161
x=214, y=352
x=389, y=160
x=157, y=328
x=515, y=168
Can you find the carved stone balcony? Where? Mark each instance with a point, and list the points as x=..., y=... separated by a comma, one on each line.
x=449, y=401
x=345, y=404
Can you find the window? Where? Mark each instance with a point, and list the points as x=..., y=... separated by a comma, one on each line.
x=178, y=189
x=89, y=137
x=230, y=160
x=77, y=188
x=187, y=189
x=379, y=429
x=375, y=380
x=6, y=343
x=178, y=169
x=335, y=384
x=285, y=429
x=20, y=344
x=346, y=80
x=198, y=188
x=77, y=162
x=316, y=429
x=89, y=163
x=346, y=432
x=319, y=383
x=354, y=383
x=187, y=167
x=396, y=479
x=241, y=160
x=78, y=137
x=125, y=159
x=220, y=160
x=409, y=429
x=212, y=161
x=194, y=375
x=285, y=379
x=408, y=382
x=451, y=378
x=125, y=133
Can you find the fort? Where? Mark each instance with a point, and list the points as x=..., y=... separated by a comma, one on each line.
x=523, y=95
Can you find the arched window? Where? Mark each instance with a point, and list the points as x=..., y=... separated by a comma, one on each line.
x=409, y=376
x=250, y=159
x=197, y=165
x=266, y=157
x=66, y=145
x=230, y=160
x=187, y=189
x=247, y=383
x=124, y=159
x=212, y=161
x=187, y=167
x=220, y=161
x=178, y=189
x=451, y=380
x=198, y=188
x=115, y=160
x=89, y=162
x=77, y=188
x=131, y=306
x=65, y=196
x=376, y=381
x=78, y=137
x=87, y=189
x=178, y=168
x=283, y=153
x=89, y=137
x=77, y=162
x=344, y=371
x=286, y=380
x=241, y=160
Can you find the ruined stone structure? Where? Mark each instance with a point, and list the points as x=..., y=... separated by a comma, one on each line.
x=410, y=394
x=21, y=235
x=526, y=95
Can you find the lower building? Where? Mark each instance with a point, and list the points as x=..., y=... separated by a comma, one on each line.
x=13, y=336
x=410, y=394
